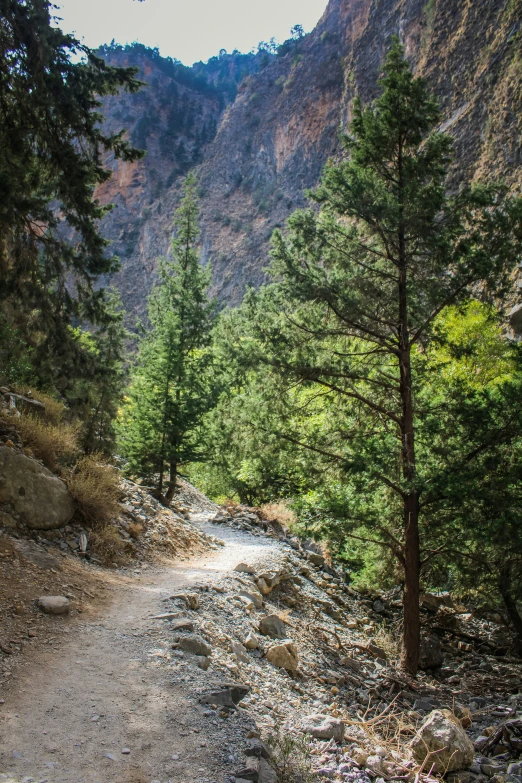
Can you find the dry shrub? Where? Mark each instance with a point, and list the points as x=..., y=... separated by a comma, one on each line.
x=95, y=487
x=291, y=756
x=389, y=640
x=135, y=529
x=279, y=512
x=55, y=444
x=55, y=411
x=109, y=547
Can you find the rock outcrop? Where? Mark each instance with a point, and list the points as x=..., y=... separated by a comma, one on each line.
x=32, y=494
x=258, y=150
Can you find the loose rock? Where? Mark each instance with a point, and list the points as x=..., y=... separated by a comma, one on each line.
x=284, y=656
x=54, y=604
x=272, y=625
x=324, y=727
x=442, y=736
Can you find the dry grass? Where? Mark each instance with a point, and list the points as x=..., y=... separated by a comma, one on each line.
x=135, y=529
x=279, y=512
x=55, y=411
x=109, y=547
x=56, y=445
x=96, y=490
x=389, y=640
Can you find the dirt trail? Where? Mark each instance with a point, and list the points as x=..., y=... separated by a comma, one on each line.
x=74, y=708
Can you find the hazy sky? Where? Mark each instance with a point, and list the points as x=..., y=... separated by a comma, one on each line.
x=189, y=30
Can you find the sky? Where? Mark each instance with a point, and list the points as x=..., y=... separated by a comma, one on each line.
x=189, y=30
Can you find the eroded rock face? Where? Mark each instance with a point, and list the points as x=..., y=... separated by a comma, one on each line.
x=442, y=736
x=36, y=496
x=283, y=125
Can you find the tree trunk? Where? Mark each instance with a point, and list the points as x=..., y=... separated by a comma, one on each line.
x=510, y=603
x=172, y=482
x=410, y=602
x=411, y=629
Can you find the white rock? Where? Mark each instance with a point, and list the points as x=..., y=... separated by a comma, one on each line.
x=442, y=738
x=243, y=568
x=324, y=727
x=54, y=604
x=240, y=651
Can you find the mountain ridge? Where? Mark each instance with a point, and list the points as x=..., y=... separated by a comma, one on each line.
x=259, y=148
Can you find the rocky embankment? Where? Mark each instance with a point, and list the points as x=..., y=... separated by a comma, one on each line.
x=316, y=666
x=275, y=652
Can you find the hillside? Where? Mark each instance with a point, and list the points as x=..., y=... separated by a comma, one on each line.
x=258, y=150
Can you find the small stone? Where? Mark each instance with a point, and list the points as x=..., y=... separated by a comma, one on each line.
x=324, y=727
x=377, y=651
x=240, y=651
x=109, y=756
x=272, y=625
x=251, y=642
x=490, y=769
x=203, y=662
x=125, y=751
x=54, y=604
x=316, y=559
x=264, y=589
x=227, y=696
x=195, y=645
x=284, y=655
x=255, y=597
x=182, y=624
x=258, y=748
x=190, y=599
x=243, y=568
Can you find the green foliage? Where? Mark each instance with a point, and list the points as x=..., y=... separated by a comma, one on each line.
x=171, y=387
x=343, y=337
x=52, y=144
x=96, y=395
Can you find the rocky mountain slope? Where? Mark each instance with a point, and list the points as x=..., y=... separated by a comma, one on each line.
x=258, y=150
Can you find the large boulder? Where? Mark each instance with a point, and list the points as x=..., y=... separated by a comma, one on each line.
x=442, y=739
x=283, y=655
x=36, y=496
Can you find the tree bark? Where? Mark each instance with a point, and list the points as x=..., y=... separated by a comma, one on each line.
x=410, y=602
x=411, y=626
x=172, y=482
x=510, y=603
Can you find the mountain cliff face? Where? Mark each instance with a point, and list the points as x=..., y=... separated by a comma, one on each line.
x=257, y=150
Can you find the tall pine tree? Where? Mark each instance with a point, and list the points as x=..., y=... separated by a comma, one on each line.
x=53, y=147
x=358, y=286
x=171, y=388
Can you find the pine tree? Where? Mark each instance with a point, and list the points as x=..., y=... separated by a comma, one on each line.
x=95, y=396
x=171, y=388
x=52, y=149
x=358, y=286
